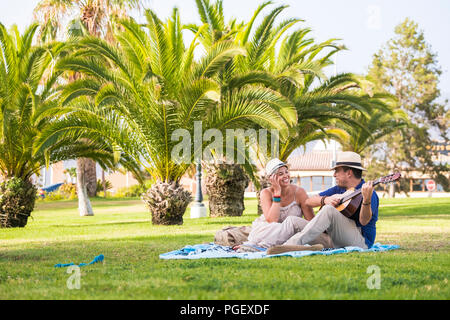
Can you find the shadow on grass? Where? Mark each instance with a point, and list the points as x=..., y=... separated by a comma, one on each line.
x=96, y=203
x=247, y=220
x=134, y=222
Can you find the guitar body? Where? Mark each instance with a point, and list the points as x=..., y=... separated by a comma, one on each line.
x=351, y=199
x=352, y=206
x=349, y=207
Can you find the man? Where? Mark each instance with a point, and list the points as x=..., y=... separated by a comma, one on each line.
x=360, y=229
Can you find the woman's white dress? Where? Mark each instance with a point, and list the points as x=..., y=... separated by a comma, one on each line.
x=266, y=234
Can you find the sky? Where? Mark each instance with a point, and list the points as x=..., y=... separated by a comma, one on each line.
x=363, y=25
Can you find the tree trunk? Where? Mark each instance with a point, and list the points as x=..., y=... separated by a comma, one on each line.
x=104, y=183
x=91, y=177
x=225, y=186
x=84, y=204
x=167, y=203
x=391, y=190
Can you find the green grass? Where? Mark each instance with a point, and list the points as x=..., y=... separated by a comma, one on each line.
x=122, y=231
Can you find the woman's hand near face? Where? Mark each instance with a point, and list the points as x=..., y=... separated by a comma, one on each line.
x=275, y=181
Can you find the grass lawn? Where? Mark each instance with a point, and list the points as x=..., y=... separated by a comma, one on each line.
x=122, y=231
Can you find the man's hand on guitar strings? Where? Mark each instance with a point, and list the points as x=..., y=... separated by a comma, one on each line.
x=333, y=200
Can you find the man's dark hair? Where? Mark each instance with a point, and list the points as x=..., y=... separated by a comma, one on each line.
x=356, y=172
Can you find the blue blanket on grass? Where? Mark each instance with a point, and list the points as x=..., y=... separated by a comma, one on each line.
x=211, y=250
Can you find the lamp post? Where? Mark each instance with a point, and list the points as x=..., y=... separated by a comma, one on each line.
x=198, y=209
x=333, y=162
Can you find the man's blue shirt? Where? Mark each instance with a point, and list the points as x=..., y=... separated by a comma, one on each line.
x=369, y=231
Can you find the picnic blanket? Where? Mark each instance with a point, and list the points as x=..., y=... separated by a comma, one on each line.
x=211, y=250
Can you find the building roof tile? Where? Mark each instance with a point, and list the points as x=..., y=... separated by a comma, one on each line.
x=314, y=160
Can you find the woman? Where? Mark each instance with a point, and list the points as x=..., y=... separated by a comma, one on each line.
x=283, y=206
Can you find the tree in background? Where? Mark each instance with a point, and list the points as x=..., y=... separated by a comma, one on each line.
x=31, y=113
x=289, y=61
x=372, y=127
x=407, y=68
x=61, y=18
x=152, y=83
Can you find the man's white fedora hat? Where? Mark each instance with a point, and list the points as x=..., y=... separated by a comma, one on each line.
x=273, y=165
x=348, y=159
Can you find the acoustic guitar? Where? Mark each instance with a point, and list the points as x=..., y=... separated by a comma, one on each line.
x=351, y=199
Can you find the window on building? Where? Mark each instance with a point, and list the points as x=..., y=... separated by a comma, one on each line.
x=417, y=185
x=306, y=183
x=317, y=183
x=328, y=182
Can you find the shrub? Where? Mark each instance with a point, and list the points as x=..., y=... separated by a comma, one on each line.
x=100, y=185
x=67, y=191
x=17, y=199
x=133, y=191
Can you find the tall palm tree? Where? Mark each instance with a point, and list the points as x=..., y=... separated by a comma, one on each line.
x=96, y=18
x=151, y=81
x=29, y=107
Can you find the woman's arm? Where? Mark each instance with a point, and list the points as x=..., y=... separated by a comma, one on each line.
x=313, y=201
x=271, y=210
x=301, y=197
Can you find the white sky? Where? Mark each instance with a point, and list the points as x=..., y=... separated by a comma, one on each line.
x=363, y=25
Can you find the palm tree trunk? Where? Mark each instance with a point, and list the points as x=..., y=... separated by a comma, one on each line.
x=391, y=190
x=104, y=183
x=84, y=204
x=225, y=186
x=91, y=177
x=167, y=202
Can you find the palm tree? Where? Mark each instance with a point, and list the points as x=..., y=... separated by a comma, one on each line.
x=288, y=64
x=256, y=68
x=151, y=81
x=94, y=17
x=29, y=112
x=214, y=28
x=378, y=124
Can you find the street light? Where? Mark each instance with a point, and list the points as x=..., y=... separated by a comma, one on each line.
x=198, y=209
x=333, y=162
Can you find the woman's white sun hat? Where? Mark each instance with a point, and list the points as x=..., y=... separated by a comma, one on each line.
x=348, y=159
x=273, y=165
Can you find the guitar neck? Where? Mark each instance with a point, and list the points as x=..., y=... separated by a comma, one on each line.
x=356, y=192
